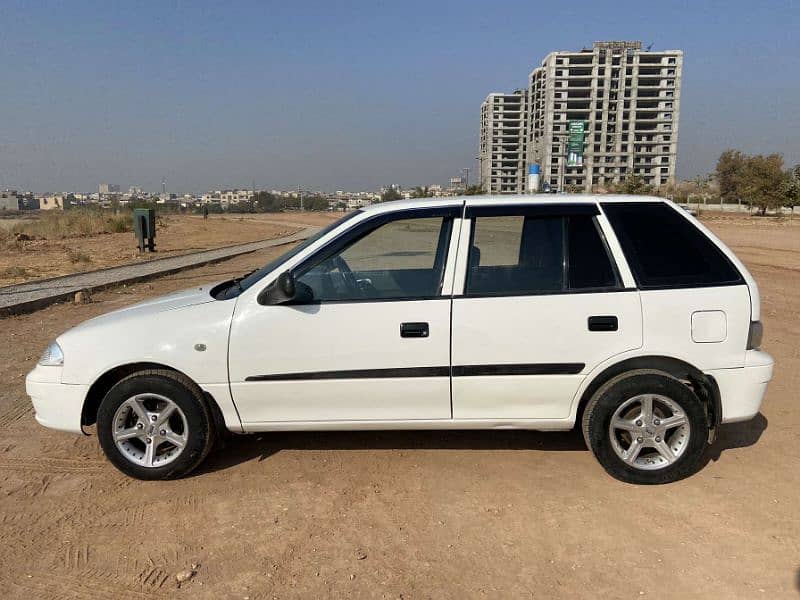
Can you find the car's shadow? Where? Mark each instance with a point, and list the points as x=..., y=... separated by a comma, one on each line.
x=236, y=449
x=737, y=435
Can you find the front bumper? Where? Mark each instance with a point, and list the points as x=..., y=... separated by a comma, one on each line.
x=57, y=405
x=742, y=389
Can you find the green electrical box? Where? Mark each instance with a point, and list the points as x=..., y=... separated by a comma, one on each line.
x=144, y=225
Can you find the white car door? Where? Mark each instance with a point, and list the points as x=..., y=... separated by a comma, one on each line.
x=542, y=304
x=370, y=343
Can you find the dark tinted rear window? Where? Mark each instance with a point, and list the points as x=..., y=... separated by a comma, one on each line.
x=664, y=249
x=589, y=263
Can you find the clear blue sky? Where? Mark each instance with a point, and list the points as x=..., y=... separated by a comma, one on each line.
x=347, y=95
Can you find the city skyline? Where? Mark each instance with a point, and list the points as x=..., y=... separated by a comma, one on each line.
x=347, y=97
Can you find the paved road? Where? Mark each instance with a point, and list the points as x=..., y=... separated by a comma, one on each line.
x=27, y=297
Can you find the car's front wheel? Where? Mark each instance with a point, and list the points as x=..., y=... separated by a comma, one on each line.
x=646, y=427
x=155, y=425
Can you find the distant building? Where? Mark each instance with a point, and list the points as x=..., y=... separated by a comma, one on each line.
x=51, y=202
x=588, y=118
x=27, y=201
x=9, y=200
x=227, y=197
x=108, y=188
x=354, y=203
x=502, y=142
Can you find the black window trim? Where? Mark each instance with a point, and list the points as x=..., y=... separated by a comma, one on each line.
x=614, y=267
x=449, y=213
x=543, y=210
x=530, y=210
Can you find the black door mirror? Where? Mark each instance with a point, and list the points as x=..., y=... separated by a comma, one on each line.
x=284, y=290
x=280, y=291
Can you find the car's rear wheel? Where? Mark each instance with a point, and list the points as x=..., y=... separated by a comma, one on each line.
x=155, y=425
x=646, y=427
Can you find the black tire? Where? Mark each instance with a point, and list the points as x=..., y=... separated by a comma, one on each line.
x=183, y=392
x=610, y=396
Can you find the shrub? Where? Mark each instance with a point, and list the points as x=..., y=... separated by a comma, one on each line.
x=78, y=222
x=78, y=256
x=14, y=272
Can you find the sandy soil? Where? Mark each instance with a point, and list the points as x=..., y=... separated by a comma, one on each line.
x=176, y=234
x=493, y=514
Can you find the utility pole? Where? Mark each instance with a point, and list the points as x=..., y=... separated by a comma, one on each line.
x=466, y=178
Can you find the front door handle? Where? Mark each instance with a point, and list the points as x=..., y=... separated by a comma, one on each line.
x=603, y=323
x=414, y=330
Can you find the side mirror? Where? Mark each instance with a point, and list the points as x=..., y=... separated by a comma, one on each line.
x=280, y=291
x=284, y=290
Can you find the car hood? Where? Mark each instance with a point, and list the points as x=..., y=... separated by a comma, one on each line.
x=174, y=301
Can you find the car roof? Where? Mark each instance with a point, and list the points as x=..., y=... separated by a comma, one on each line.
x=510, y=199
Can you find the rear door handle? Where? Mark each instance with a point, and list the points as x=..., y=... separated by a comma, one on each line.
x=603, y=323
x=414, y=330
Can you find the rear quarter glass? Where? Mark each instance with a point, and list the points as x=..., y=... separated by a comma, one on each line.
x=665, y=250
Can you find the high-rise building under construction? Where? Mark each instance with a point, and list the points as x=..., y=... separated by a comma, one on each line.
x=587, y=119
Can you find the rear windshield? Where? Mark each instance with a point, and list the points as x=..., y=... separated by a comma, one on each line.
x=664, y=249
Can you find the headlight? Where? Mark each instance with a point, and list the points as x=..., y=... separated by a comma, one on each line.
x=52, y=356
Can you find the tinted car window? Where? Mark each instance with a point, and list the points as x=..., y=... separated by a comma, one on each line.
x=498, y=240
x=400, y=259
x=664, y=249
x=526, y=255
x=589, y=261
x=515, y=255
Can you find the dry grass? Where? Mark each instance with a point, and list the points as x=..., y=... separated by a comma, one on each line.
x=78, y=256
x=14, y=272
x=70, y=224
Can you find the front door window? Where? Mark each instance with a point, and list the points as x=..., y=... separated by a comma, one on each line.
x=401, y=259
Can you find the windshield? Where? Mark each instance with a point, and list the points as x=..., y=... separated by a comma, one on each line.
x=257, y=275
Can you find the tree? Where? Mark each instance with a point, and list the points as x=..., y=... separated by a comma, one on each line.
x=420, y=192
x=792, y=187
x=266, y=202
x=389, y=194
x=633, y=184
x=764, y=182
x=315, y=202
x=693, y=190
x=474, y=190
x=730, y=175
x=243, y=206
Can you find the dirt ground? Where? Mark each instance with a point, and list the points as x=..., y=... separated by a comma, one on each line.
x=493, y=514
x=175, y=234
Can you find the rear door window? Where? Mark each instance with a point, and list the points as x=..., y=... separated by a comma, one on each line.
x=664, y=249
x=535, y=254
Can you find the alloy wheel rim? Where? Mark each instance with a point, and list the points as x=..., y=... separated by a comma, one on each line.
x=649, y=432
x=150, y=430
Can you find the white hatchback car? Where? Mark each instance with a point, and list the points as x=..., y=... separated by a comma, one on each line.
x=621, y=314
